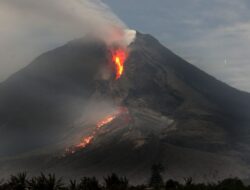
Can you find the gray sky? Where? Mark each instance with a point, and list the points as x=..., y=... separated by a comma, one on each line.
x=212, y=34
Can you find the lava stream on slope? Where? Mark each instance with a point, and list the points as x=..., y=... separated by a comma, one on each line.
x=121, y=112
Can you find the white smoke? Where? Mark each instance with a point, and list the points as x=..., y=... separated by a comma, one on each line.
x=29, y=28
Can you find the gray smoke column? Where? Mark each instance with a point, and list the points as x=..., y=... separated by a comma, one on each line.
x=29, y=28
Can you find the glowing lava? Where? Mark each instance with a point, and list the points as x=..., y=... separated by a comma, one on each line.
x=121, y=111
x=119, y=56
x=105, y=121
x=85, y=141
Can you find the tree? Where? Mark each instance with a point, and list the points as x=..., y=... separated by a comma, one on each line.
x=172, y=185
x=18, y=182
x=156, y=181
x=231, y=184
x=73, y=185
x=88, y=183
x=45, y=182
x=114, y=182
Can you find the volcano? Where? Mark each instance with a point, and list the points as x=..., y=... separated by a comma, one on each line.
x=171, y=112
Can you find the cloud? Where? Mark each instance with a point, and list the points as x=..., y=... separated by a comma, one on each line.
x=206, y=33
x=224, y=53
x=29, y=28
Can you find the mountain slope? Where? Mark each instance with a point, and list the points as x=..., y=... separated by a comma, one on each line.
x=177, y=114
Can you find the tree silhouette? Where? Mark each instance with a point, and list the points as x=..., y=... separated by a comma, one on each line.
x=156, y=180
x=231, y=184
x=188, y=181
x=73, y=185
x=89, y=184
x=114, y=182
x=42, y=182
x=18, y=182
x=172, y=185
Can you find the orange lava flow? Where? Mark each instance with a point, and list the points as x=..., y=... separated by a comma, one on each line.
x=87, y=140
x=119, y=56
x=103, y=122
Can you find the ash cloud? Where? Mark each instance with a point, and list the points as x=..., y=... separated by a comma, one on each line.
x=28, y=28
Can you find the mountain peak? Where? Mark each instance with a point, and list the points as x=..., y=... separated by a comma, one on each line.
x=172, y=108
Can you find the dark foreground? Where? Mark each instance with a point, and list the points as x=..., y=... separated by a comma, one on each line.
x=21, y=181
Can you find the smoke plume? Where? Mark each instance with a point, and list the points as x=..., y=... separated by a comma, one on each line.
x=29, y=28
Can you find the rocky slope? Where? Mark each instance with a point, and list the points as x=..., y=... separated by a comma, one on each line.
x=177, y=115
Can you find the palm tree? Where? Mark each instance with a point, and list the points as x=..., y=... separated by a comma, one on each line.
x=114, y=182
x=42, y=182
x=88, y=183
x=18, y=182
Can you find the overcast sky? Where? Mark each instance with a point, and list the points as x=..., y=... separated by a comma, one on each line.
x=212, y=34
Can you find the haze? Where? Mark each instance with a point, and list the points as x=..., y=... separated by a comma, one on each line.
x=212, y=35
